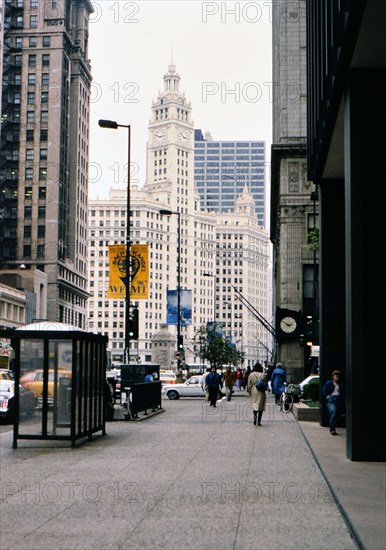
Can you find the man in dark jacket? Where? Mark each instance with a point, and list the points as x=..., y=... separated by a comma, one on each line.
x=213, y=383
x=333, y=392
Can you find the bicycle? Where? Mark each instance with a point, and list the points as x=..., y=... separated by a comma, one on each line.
x=286, y=402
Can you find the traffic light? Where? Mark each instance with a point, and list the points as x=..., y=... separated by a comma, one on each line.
x=133, y=324
x=180, y=342
x=309, y=328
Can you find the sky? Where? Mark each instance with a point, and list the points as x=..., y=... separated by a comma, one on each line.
x=221, y=50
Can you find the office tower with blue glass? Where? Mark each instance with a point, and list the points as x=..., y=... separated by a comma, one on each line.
x=222, y=169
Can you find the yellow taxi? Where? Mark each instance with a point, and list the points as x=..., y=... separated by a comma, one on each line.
x=33, y=381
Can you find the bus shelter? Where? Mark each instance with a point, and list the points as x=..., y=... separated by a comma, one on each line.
x=64, y=368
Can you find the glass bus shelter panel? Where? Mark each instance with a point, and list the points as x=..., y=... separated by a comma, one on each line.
x=31, y=387
x=59, y=387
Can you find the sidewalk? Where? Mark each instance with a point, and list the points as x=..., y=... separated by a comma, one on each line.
x=192, y=478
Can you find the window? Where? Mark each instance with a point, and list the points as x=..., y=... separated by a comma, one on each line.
x=30, y=135
x=42, y=192
x=42, y=174
x=43, y=135
x=45, y=79
x=31, y=117
x=41, y=231
x=31, y=98
x=29, y=173
x=46, y=60
x=16, y=98
x=33, y=41
x=31, y=60
x=40, y=250
x=41, y=212
x=27, y=251
x=19, y=42
x=44, y=117
x=28, y=193
x=33, y=21
x=27, y=212
x=31, y=79
x=46, y=41
x=44, y=97
x=43, y=154
x=33, y=4
x=27, y=231
x=29, y=154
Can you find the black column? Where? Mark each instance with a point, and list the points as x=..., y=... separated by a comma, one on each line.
x=332, y=285
x=365, y=202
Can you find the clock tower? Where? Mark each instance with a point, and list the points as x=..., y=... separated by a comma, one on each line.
x=170, y=148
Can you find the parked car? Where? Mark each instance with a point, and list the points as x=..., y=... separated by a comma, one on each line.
x=307, y=381
x=27, y=401
x=33, y=381
x=6, y=374
x=191, y=388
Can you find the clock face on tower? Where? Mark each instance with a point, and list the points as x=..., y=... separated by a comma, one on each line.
x=159, y=137
x=183, y=137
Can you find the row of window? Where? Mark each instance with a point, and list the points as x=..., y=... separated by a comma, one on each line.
x=40, y=251
x=31, y=97
x=223, y=144
x=41, y=233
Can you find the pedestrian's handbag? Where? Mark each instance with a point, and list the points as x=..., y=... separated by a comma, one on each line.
x=261, y=385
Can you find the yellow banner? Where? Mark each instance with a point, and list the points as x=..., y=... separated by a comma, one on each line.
x=139, y=256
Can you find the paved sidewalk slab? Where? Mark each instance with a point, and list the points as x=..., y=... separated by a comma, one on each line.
x=191, y=478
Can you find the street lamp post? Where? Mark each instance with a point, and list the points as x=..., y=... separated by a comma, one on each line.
x=114, y=125
x=165, y=212
x=214, y=299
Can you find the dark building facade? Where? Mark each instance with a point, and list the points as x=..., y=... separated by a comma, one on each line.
x=346, y=93
x=44, y=148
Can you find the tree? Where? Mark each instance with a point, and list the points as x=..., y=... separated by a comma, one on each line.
x=216, y=349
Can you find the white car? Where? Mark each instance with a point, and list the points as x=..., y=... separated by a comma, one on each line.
x=191, y=388
x=307, y=381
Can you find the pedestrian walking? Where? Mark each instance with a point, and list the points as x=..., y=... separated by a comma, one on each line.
x=269, y=375
x=228, y=381
x=239, y=378
x=213, y=383
x=258, y=398
x=278, y=381
x=333, y=392
x=247, y=372
x=203, y=384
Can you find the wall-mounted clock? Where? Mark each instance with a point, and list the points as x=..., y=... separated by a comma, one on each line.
x=183, y=137
x=288, y=324
x=159, y=137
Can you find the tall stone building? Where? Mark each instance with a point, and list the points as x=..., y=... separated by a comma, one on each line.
x=44, y=147
x=216, y=252
x=294, y=212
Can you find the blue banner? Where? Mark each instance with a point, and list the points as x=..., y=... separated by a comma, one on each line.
x=185, y=307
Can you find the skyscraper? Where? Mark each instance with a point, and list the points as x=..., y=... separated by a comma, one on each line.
x=223, y=168
x=44, y=147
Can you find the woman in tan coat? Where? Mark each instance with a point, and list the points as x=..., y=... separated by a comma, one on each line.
x=258, y=398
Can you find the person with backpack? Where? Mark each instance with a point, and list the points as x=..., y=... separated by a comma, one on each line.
x=258, y=397
x=278, y=381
